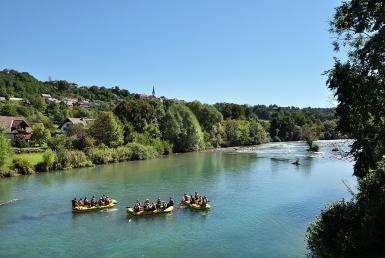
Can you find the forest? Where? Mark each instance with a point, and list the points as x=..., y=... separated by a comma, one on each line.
x=125, y=126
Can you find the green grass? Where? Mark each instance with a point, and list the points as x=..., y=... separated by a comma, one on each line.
x=34, y=158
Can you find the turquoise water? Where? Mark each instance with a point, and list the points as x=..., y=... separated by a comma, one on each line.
x=261, y=205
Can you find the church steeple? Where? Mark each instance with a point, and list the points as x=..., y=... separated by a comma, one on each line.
x=153, y=90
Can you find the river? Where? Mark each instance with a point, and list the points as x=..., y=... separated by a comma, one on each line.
x=261, y=205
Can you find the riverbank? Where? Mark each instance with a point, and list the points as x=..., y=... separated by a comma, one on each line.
x=33, y=162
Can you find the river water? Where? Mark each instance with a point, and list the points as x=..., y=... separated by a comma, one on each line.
x=261, y=205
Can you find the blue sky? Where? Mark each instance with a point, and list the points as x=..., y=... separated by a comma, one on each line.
x=245, y=52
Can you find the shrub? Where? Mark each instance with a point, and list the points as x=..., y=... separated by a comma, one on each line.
x=41, y=167
x=101, y=155
x=49, y=158
x=67, y=159
x=19, y=142
x=141, y=152
x=23, y=166
x=6, y=172
x=122, y=153
x=162, y=147
x=315, y=147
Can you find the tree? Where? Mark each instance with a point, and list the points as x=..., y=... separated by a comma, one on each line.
x=181, y=128
x=358, y=84
x=206, y=114
x=40, y=134
x=309, y=135
x=355, y=228
x=5, y=149
x=59, y=142
x=80, y=138
x=108, y=129
x=232, y=130
x=140, y=113
x=63, y=85
x=38, y=103
x=48, y=158
x=9, y=110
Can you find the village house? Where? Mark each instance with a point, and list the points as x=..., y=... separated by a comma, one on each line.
x=84, y=104
x=46, y=96
x=73, y=85
x=73, y=121
x=50, y=100
x=15, y=127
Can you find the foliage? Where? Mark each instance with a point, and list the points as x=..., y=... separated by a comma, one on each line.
x=231, y=132
x=181, y=128
x=19, y=142
x=107, y=129
x=309, y=135
x=141, y=152
x=59, y=141
x=40, y=118
x=207, y=115
x=358, y=84
x=102, y=155
x=231, y=110
x=23, y=166
x=9, y=109
x=139, y=113
x=40, y=134
x=330, y=130
x=161, y=146
x=7, y=172
x=353, y=228
x=49, y=158
x=5, y=149
x=68, y=159
x=81, y=140
x=38, y=103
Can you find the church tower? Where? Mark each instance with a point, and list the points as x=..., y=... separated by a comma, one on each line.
x=153, y=91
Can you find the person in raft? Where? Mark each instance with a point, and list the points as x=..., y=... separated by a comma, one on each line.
x=107, y=201
x=185, y=197
x=158, y=203
x=147, y=205
x=196, y=196
x=93, y=202
x=171, y=202
x=86, y=201
x=81, y=203
x=74, y=202
x=204, y=201
x=137, y=206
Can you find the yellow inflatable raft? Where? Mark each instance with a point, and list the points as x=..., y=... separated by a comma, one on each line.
x=196, y=205
x=88, y=207
x=131, y=211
